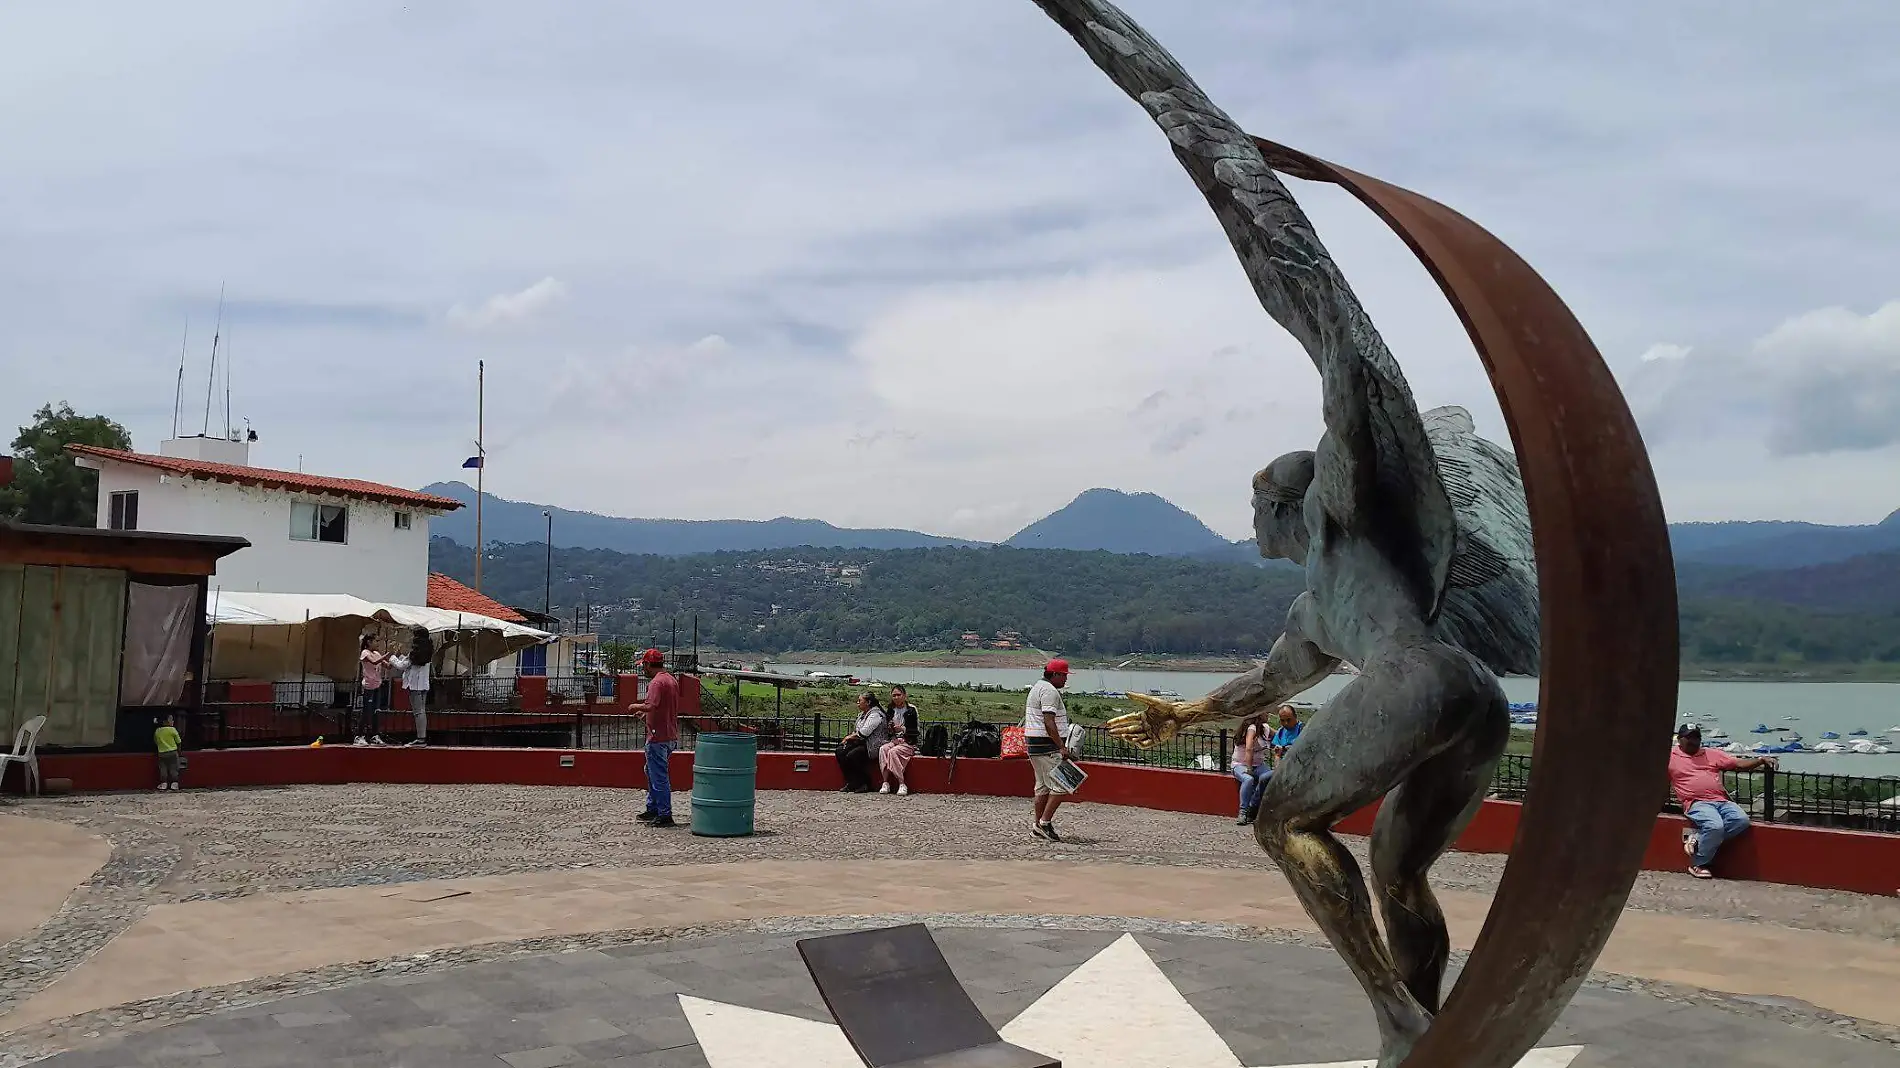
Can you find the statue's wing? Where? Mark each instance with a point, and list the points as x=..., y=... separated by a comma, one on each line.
x=1490, y=606
x=1376, y=468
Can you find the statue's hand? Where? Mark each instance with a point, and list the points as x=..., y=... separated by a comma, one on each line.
x=1156, y=721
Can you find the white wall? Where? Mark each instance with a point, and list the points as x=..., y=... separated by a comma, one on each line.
x=378, y=562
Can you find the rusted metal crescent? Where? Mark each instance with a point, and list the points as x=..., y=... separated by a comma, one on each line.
x=1606, y=581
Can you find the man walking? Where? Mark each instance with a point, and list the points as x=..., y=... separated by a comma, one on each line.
x=1696, y=775
x=1046, y=736
x=661, y=710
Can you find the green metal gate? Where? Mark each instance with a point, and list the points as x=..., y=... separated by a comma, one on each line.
x=61, y=636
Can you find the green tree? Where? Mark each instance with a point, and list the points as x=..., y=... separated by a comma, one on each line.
x=47, y=486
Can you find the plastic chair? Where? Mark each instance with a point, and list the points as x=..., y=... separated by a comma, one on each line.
x=25, y=741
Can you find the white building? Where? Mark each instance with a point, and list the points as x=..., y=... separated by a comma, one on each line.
x=308, y=533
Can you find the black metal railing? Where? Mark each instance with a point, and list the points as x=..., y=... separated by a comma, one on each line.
x=1868, y=803
x=1807, y=798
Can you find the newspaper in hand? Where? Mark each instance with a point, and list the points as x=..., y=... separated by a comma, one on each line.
x=1069, y=775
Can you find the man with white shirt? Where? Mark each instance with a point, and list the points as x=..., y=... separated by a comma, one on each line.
x=1046, y=736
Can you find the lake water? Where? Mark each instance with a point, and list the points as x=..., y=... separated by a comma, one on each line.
x=1736, y=707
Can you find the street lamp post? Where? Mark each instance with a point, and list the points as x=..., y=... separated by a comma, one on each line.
x=547, y=574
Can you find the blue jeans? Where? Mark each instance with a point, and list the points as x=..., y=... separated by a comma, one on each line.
x=1715, y=822
x=1252, y=781
x=660, y=777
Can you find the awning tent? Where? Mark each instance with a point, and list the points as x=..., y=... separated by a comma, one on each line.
x=280, y=636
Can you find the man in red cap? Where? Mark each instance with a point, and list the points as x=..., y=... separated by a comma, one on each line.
x=662, y=711
x=1046, y=736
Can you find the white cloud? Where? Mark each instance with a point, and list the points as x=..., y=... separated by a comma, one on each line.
x=505, y=309
x=954, y=225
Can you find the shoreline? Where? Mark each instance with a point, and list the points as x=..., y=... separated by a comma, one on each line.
x=1032, y=659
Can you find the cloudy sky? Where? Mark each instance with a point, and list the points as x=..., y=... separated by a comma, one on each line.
x=907, y=263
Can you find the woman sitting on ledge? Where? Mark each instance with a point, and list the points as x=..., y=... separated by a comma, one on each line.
x=902, y=745
x=859, y=751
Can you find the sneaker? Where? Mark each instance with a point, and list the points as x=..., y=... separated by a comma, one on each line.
x=419, y=743
x=1691, y=841
x=903, y=789
x=1049, y=832
x=884, y=788
x=360, y=741
x=1701, y=873
x=663, y=821
x=378, y=740
x=1242, y=820
x=1039, y=830
x=176, y=787
x=648, y=816
x=164, y=786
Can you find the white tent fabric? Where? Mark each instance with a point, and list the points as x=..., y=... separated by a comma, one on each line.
x=295, y=609
x=282, y=635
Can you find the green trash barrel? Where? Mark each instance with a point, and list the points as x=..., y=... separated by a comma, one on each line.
x=725, y=784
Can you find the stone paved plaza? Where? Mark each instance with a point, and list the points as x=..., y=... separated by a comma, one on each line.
x=479, y=925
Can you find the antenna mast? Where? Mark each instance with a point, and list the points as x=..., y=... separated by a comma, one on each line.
x=211, y=376
x=178, y=395
x=227, y=392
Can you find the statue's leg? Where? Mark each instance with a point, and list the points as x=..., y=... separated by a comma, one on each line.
x=1372, y=734
x=1419, y=820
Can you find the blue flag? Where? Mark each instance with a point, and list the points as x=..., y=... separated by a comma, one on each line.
x=473, y=461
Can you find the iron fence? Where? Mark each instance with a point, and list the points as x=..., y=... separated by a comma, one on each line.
x=1807, y=798
x=1868, y=803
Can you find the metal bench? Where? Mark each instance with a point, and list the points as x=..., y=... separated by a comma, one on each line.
x=897, y=1002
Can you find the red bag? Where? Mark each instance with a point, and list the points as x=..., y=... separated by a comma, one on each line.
x=1013, y=743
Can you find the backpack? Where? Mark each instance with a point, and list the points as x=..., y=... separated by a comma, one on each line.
x=979, y=739
x=936, y=741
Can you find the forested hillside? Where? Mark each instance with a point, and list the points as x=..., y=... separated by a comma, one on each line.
x=1103, y=603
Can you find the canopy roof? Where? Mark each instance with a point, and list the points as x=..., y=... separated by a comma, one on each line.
x=293, y=609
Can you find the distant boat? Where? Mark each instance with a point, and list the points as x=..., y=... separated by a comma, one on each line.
x=1831, y=734
x=1866, y=746
x=1789, y=719
x=1858, y=732
x=1762, y=728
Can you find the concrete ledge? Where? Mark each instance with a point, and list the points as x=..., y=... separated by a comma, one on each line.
x=1819, y=857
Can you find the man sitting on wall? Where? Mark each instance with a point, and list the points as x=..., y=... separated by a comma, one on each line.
x=1696, y=775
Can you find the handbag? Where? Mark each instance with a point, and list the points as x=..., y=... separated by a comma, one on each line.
x=1014, y=744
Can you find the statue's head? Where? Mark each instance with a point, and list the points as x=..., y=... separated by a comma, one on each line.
x=1279, y=507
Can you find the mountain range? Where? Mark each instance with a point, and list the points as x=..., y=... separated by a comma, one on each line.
x=1106, y=520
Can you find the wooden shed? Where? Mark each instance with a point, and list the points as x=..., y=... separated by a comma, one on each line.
x=100, y=630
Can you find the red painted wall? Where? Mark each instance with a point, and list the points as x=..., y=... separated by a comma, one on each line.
x=1799, y=856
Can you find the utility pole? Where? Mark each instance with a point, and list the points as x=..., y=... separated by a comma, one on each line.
x=481, y=466
x=547, y=576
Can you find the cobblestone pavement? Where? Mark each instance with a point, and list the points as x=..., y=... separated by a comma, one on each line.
x=232, y=842
x=222, y=844
x=619, y=1005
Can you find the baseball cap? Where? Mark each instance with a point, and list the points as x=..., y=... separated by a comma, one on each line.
x=1688, y=728
x=1056, y=667
x=653, y=656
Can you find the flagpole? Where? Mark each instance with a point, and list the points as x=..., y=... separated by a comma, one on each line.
x=481, y=467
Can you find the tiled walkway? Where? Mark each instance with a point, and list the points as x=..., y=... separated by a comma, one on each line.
x=1096, y=999
x=186, y=945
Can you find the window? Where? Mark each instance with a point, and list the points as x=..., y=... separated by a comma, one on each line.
x=124, y=510
x=402, y=520
x=319, y=522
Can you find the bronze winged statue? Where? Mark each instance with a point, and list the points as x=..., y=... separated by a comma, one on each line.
x=1416, y=542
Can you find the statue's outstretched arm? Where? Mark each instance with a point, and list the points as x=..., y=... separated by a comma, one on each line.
x=1375, y=469
x=1294, y=664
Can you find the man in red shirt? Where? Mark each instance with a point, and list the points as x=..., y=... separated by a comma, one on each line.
x=1695, y=774
x=662, y=711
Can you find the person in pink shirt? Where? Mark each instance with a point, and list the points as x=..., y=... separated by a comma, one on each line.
x=1695, y=774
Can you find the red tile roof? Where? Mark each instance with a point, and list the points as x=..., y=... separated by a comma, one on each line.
x=450, y=595
x=271, y=479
